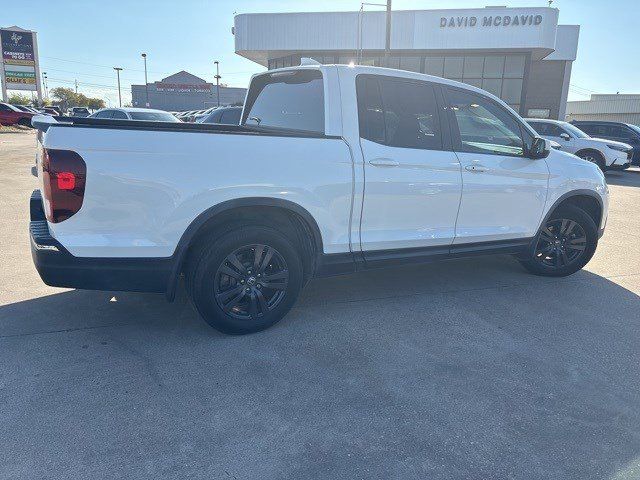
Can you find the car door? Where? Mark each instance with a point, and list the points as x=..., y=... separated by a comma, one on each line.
x=412, y=178
x=504, y=192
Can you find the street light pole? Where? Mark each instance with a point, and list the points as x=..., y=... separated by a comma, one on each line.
x=218, y=77
x=387, y=44
x=146, y=85
x=118, y=69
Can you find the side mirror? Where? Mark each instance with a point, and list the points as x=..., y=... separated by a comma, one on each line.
x=540, y=148
x=565, y=136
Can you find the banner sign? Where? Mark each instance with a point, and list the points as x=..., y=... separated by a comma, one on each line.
x=20, y=77
x=17, y=48
x=19, y=60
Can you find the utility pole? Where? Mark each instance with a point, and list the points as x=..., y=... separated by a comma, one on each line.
x=76, y=86
x=217, y=77
x=146, y=85
x=118, y=69
x=387, y=44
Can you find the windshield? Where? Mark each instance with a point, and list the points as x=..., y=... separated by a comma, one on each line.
x=575, y=131
x=635, y=128
x=153, y=116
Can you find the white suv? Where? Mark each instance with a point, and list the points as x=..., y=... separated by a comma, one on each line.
x=607, y=154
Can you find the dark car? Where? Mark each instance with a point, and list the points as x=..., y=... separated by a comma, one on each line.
x=618, y=131
x=224, y=115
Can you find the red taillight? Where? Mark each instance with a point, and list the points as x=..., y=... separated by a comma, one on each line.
x=66, y=181
x=64, y=175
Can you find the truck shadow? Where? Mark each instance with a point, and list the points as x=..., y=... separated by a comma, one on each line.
x=470, y=366
x=628, y=178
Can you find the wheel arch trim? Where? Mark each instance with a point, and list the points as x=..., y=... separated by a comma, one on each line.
x=194, y=227
x=573, y=193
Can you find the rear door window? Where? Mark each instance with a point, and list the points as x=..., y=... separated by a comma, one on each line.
x=287, y=100
x=118, y=115
x=398, y=113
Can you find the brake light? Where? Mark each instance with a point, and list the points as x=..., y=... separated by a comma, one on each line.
x=64, y=176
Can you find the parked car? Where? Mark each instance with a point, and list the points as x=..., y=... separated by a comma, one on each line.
x=128, y=113
x=332, y=169
x=10, y=115
x=55, y=111
x=620, y=132
x=202, y=114
x=607, y=154
x=223, y=115
x=79, y=112
x=25, y=108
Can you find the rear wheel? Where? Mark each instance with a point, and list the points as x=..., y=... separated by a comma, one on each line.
x=594, y=157
x=565, y=243
x=247, y=280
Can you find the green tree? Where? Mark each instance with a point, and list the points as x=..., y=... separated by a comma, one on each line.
x=66, y=98
x=96, y=103
x=19, y=99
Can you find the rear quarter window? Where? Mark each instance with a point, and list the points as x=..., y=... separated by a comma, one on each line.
x=288, y=100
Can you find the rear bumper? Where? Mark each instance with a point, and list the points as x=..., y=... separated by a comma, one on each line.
x=58, y=268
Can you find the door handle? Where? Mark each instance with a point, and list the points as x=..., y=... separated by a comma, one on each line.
x=476, y=168
x=383, y=162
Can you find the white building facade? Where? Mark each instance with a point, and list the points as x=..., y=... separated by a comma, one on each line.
x=623, y=108
x=521, y=55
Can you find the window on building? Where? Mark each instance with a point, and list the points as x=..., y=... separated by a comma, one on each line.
x=434, y=66
x=413, y=64
x=484, y=126
x=291, y=100
x=453, y=67
x=398, y=113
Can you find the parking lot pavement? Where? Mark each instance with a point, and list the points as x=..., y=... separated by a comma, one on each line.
x=463, y=369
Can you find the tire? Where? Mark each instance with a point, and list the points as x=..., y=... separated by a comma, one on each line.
x=558, y=249
x=593, y=157
x=233, y=295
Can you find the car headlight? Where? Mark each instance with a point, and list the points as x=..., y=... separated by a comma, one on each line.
x=619, y=148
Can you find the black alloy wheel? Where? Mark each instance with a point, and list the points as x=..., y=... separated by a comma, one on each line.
x=251, y=282
x=564, y=244
x=561, y=242
x=245, y=280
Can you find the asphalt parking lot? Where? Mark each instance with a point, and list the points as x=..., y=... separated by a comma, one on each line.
x=467, y=369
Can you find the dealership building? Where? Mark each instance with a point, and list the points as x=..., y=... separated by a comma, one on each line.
x=521, y=55
x=184, y=91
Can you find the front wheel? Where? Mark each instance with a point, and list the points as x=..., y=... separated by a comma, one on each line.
x=565, y=243
x=246, y=280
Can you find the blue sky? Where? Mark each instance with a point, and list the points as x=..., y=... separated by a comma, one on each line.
x=84, y=39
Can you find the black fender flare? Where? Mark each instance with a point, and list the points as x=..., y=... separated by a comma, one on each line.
x=191, y=231
x=559, y=200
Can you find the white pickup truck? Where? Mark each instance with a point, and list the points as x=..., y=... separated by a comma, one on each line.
x=333, y=169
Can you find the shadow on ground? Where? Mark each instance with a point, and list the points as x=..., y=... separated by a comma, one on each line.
x=464, y=369
x=626, y=178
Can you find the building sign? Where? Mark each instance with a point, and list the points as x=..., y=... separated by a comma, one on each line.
x=18, y=60
x=184, y=88
x=491, y=21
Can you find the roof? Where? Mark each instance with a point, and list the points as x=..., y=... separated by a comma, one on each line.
x=183, y=77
